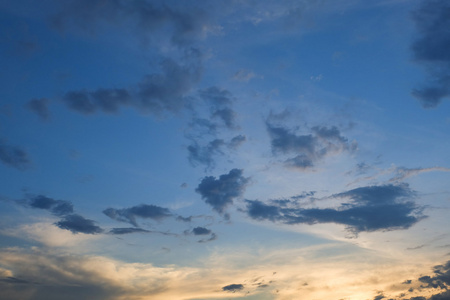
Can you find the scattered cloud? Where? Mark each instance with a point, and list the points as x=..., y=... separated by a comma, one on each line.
x=205, y=155
x=220, y=101
x=78, y=224
x=144, y=211
x=14, y=156
x=432, y=20
x=244, y=75
x=307, y=148
x=219, y=193
x=233, y=288
x=403, y=173
x=149, y=20
x=201, y=231
x=56, y=207
x=370, y=208
x=156, y=93
x=39, y=107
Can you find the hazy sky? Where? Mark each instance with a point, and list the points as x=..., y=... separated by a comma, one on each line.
x=234, y=149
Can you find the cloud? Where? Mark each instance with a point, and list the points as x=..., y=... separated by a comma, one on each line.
x=432, y=20
x=78, y=224
x=205, y=155
x=220, y=101
x=244, y=75
x=39, y=107
x=201, y=231
x=149, y=20
x=13, y=156
x=307, y=148
x=128, y=230
x=237, y=141
x=145, y=211
x=156, y=93
x=371, y=208
x=106, y=100
x=56, y=207
x=219, y=193
x=402, y=173
x=233, y=288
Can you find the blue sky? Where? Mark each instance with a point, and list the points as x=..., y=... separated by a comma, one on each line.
x=224, y=149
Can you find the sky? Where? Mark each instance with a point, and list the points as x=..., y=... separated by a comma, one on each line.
x=238, y=149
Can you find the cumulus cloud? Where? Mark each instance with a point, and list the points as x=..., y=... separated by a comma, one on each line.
x=13, y=156
x=370, y=208
x=78, y=224
x=39, y=107
x=307, y=148
x=430, y=48
x=219, y=193
x=144, y=211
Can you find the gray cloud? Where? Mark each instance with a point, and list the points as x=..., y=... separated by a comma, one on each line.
x=201, y=231
x=205, y=154
x=39, y=107
x=144, y=211
x=430, y=48
x=14, y=156
x=213, y=237
x=219, y=193
x=237, y=141
x=371, y=208
x=156, y=93
x=78, y=224
x=220, y=101
x=56, y=207
x=307, y=148
x=119, y=231
x=233, y=288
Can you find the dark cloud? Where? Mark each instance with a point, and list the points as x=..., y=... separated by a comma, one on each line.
x=119, y=231
x=440, y=279
x=379, y=297
x=78, y=224
x=13, y=156
x=233, y=287
x=201, y=231
x=370, y=208
x=430, y=48
x=39, y=107
x=56, y=207
x=144, y=211
x=150, y=20
x=219, y=193
x=307, y=148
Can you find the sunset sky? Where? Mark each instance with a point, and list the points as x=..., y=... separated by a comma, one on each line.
x=235, y=149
